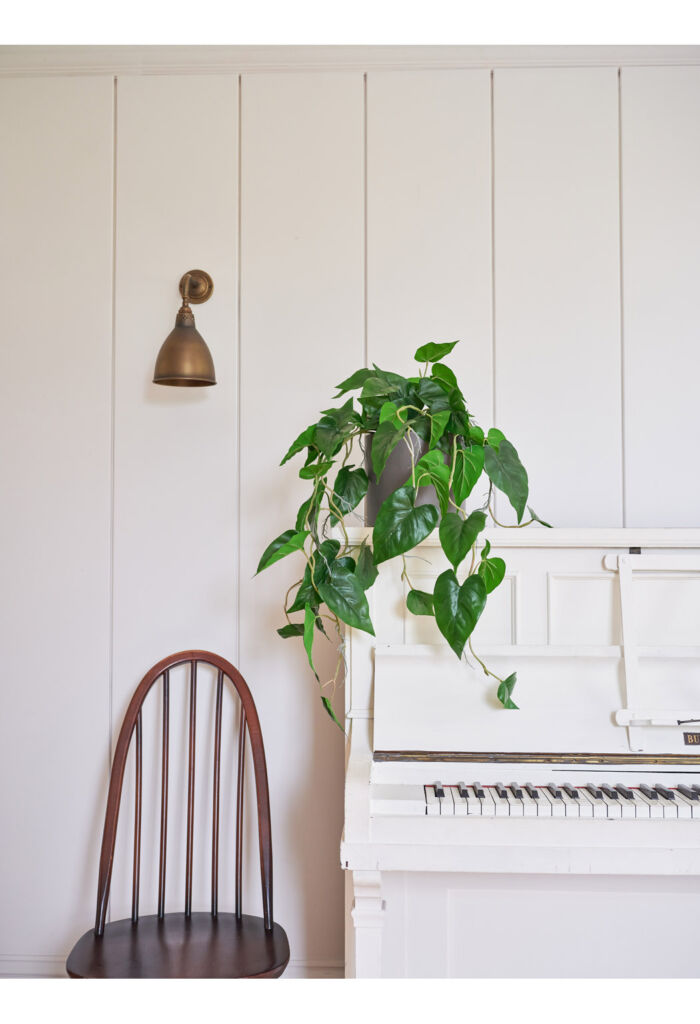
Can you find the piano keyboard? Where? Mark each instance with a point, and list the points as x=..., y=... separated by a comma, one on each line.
x=552, y=800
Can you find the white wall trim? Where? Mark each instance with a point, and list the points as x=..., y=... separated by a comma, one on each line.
x=165, y=60
x=34, y=966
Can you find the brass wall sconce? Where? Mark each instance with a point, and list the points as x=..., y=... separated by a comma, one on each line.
x=184, y=359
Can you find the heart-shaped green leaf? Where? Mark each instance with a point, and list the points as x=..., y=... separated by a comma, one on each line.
x=309, y=620
x=419, y=602
x=350, y=488
x=469, y=463
x=303, y=441
x=445, y=374
x=435, y=394
x=385, y=439
x=356, y=380
x=457, y=609
x=505, y=690
x=401, y=524
x=492, y=571
x=344, y=595
x=291, y=629
x=433, y=351
x=508, y=474
x=432, y=469
x=438, y=422
x=457, y=535
x=315, y=469
x=366, y=571
x=281, y=546
x=494, y=437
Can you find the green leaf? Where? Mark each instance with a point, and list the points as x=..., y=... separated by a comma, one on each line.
x=309, y=620
x=433, y=351
x=457, y=535
x=324, y=558
x=388, y=412
x=435, y=394
x=492, y=571
x=375, y=387
x=494, y=437
x=537, y=518
x=438, y=422
x=469, y=464
x=356, y=380
x=314, y=470
x=281, y=546
x=350, y=488
x=486, y=548
x=476, y=434
x=444, y=373
x=401, y=525
x=507, y=472
x=366, y=571
x=329, y=708
x=434, y=467
x=291, y=629
x=307, y=516
x=344, y=595
x=385, y=439
x=505, y=690
x=420, y=603
x=457, y=609
x=303, y=441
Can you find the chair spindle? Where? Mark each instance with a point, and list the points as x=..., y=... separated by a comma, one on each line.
x=239, y=813
x=164, y=793
x=138, y=751
x=216, y=787
x=190, y=789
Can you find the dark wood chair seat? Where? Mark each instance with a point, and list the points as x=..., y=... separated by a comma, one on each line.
x=177, y=946
x=191, y=944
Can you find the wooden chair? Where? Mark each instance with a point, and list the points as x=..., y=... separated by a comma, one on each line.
x=189, y=944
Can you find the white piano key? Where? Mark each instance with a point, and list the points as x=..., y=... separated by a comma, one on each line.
x=402, y=800
x=447, y=805
x=670, y=807
x=642, y=807
x=558, y=807
x=571, y=806
x=517, y=807
x=585, y=804
x=686, y=808
x=461, y=803
x=529, y=806
x=598, y=807
x=613, y=806
x=432, y=802
x=656, y=809
x=485, y=807
x=627, y=807
x=502, y=805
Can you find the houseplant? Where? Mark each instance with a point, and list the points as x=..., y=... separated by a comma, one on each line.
x=446, y=451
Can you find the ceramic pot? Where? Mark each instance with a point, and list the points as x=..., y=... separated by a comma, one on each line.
x=396, y=472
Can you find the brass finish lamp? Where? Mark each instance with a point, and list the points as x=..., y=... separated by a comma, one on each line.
x=184, y=359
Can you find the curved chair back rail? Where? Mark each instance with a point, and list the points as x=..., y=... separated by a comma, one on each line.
x=131, y=727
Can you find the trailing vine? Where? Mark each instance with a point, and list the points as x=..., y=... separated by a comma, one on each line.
x=449, y=452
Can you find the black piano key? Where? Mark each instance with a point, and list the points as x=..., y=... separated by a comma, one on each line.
x=532, y=791
x=479, y=791
x=695, y=789
x=688, y=793
x=462, y=790
x=555, y=791
x=502, y=791
x=609, y=792
x=624, y=791
x=648, y=792
x=439, y=790
x=570, y=791
x=594, y=791
x=666, y=793
x=516, y=790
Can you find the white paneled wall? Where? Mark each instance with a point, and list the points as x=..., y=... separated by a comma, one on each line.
x=661, y=247
x=557, y=288
x=343, y=217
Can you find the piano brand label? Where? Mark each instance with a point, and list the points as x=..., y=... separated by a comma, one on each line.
x=691, y=739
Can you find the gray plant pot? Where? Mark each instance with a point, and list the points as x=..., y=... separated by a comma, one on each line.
x=396, y=472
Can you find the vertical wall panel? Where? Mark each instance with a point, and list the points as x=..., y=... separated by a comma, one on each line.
x=429, y=222
x=55, y=265
x=661, y=267
x=175, y=448
x=557, y=312
x=301, y=333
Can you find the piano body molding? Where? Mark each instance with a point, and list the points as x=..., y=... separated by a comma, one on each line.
x=570, y=827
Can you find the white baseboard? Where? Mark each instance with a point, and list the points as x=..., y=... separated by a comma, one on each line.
x=18, y=966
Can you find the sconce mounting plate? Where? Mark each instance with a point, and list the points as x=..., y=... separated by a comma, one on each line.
x=201, y=286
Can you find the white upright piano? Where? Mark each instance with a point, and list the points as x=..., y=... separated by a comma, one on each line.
x=559, y=840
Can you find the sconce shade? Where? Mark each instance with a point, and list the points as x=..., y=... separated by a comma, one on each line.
x=184, y=359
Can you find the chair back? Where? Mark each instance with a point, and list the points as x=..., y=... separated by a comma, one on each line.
x=132, y=729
